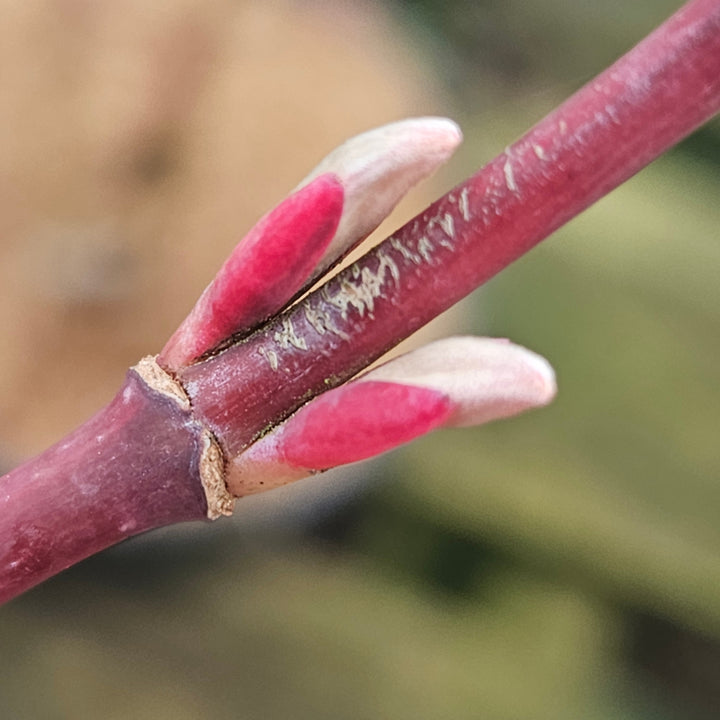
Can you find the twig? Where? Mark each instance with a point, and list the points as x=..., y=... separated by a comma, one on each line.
x=172, y=446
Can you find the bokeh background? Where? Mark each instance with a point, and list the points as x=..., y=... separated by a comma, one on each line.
x=564, y=564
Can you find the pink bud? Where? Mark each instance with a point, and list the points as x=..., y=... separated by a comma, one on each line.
x=336, y=206
x=377, y=168
x=452, y=382
x=265, y=270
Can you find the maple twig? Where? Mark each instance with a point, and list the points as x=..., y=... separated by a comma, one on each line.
x=173, y=444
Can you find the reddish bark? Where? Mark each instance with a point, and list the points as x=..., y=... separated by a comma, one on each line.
x=130, y=468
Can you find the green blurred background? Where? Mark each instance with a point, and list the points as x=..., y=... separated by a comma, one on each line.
x=564, y=564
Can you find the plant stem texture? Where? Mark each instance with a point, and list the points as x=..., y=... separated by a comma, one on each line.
x=132, y=467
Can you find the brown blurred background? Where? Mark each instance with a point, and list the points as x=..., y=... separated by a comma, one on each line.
x=564, y=564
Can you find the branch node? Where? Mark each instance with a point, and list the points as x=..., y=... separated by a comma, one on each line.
x=211, y=466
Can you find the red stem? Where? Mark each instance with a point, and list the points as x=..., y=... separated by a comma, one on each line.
x=130, y=468
x=649, y=100
x=134, y=466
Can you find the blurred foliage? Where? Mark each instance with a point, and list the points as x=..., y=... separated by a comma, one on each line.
x=488, y=47
x=563, y=564
x=305, y=634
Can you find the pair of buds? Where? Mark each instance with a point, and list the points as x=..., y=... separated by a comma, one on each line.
x=454, y=382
